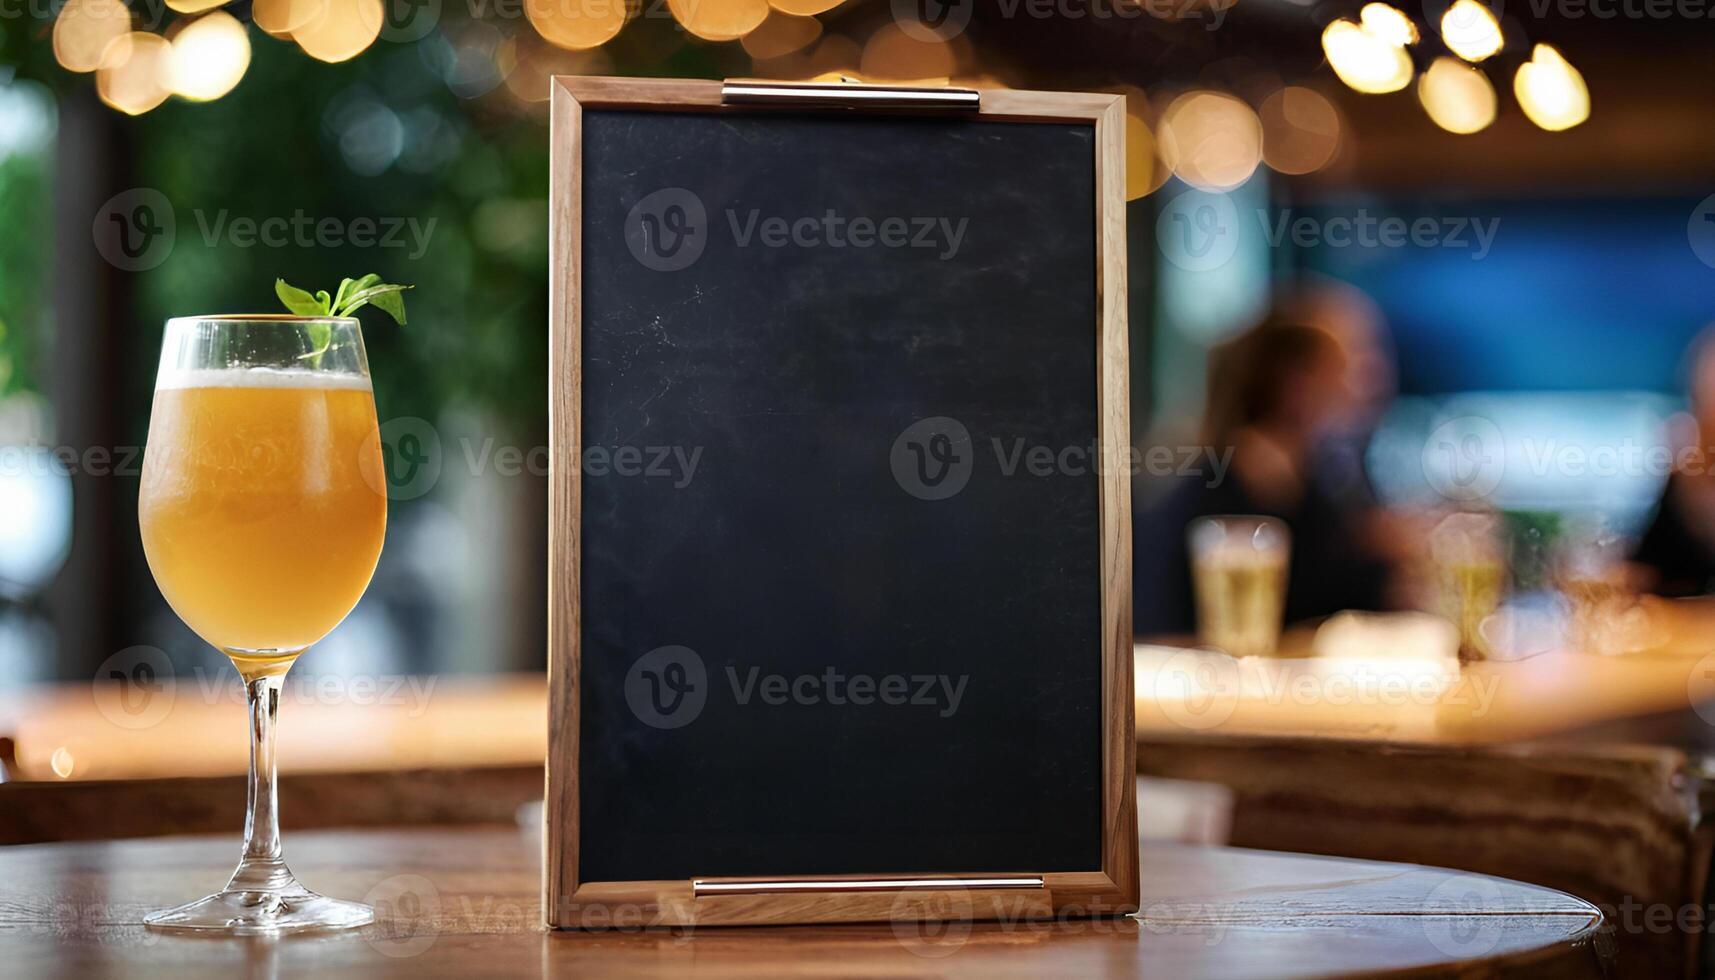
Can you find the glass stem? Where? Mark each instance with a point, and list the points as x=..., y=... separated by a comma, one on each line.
x=261, y=868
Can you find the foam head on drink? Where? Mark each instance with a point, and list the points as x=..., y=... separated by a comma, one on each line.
x=263, y=504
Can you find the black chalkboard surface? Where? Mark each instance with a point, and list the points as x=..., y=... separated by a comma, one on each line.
x=839, y=555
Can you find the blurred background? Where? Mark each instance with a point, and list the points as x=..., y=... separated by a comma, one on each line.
x=1419, y=289
x=1498, y=220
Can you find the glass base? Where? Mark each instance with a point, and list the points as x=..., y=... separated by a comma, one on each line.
x=256, y=913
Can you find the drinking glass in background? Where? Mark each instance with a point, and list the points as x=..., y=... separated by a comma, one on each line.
x=262, y=512
x=1605, y=615
x=1469, y=553
x=1238, y=572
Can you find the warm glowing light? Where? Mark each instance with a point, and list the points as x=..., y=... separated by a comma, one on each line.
x=576, y=24
x=1365, y=61
x=892, y=54
x=804, y=8
x=781, y=34
x=84, y=30
x=1457, y=97
x=534, y=62
x=1300, y=130
x=833, y=53
x=1144, y=170
x=342, y=32
x=281, y=17
x=209, y=56
x=1387, y=23
x=1470, y=30
x=194, y=6
x=1551, y=91
x=1213, y=141
x=132, y=76
x=62, y=763
x=719, y=20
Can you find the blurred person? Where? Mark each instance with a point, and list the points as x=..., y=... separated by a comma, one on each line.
x=1292, y=399
x=1676, y=555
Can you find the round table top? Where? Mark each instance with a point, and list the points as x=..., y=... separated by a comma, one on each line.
x=466, y=902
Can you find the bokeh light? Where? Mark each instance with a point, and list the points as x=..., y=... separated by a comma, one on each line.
x=833, y=53
x=576, y=24
x=1365, y=61
x=1212, y=139
x=1470, y=30
x=343, y=31
x=719, y=20
x=1551, y=91
x=209, y=56
x=1300, y=130
x=281, y=17
x=194, y=6
x=1388, y=23
x=1457, y=97
x=133, y=73
x=804, y=8
x=85, y=29
x=781, y=34
x=894, y=55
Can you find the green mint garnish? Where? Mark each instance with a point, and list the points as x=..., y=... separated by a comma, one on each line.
x=353, y=294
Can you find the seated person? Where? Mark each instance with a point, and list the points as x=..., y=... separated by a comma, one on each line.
x=1277, y=395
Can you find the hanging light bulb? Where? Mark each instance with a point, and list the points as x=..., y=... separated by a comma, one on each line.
x=1365, y=60
x=1388, y=24
x=1470, y=30
x=1457, y=97
x=1551, y=91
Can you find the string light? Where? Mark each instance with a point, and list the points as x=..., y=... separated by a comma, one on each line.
x=1457, y=97
x=718, y=20
x=85, y=29
x=209, y=56
x=132, y=76
x=1470, y=30
x=1388, y=23
x=1300, y=130
x=1551, y=91
x=1366, y=61
x=781, y=34
x=343, y=31
x=892, y=54
x=576, y=25
x=1213, y=140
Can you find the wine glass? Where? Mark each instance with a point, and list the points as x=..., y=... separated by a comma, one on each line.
x=262, y=512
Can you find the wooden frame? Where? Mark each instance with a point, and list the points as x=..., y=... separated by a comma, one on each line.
x=569, y=903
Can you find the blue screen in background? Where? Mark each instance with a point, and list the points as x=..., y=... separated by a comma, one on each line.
x=1573, y=295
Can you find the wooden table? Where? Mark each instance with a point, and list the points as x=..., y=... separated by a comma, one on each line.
x=465, y=903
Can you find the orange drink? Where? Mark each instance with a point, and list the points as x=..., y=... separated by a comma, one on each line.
x=263, y=507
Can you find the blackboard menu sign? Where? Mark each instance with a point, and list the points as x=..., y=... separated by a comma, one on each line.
x=840, y=558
